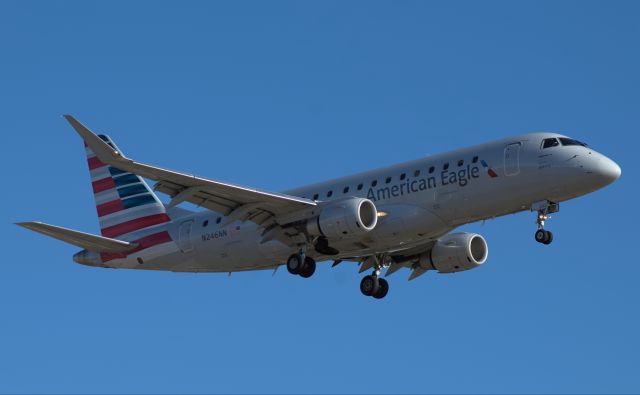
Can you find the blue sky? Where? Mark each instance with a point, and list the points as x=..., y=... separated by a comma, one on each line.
x=278, y=94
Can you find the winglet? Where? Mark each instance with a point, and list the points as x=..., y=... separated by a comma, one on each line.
x=103, y=151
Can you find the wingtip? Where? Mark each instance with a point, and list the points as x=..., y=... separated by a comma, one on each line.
x=25, y=224
x=72, y=120
x=103, y=151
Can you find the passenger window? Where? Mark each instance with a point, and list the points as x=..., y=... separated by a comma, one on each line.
x=445, y=167
x=475, y=159
x=374, y=183
x=431, y=169
x=345, y=190
x=359, y=187
x=388, y=180
x=205, y=223
x=315, y=197
x=460, y=162
x=548, y=143
x=218, y=220
x=403, y=176
x=416, y=173
x=329, y=193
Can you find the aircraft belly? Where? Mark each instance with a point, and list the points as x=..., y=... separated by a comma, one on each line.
x=232, y=248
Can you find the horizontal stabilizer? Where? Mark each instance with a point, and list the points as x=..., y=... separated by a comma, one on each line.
x=83, y=240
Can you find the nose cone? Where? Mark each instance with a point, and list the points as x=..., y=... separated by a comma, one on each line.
x=608, y=171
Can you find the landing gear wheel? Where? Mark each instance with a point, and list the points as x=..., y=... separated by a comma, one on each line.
x=294, y=264
x=308, y=268
x=369, y=285
x=544, y=208
x=383, y=289
x=544, y=236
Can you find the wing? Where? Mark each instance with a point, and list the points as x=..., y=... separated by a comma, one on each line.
x=267, y=209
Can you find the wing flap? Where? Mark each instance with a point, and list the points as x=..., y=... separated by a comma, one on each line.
x=84, y=240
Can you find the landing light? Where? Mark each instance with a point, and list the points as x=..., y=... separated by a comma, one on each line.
x=381, y=214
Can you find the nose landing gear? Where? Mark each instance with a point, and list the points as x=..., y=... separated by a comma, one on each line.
x=544, y=236
x=544, y=208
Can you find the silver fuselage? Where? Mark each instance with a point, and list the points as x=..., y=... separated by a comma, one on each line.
x=417, y=205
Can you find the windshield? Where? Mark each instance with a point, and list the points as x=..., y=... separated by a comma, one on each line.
x=548, y=143
x=567, y=141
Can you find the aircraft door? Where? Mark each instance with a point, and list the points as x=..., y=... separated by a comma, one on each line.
x=184, y=236
x=512, y=159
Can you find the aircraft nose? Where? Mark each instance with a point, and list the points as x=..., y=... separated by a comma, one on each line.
x=608, y=170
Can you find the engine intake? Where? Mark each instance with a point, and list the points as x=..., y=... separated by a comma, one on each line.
x=456, y=252
x=343, y=219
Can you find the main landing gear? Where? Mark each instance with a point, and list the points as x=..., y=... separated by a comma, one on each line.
x=544, y=208
x=372, y=284
x=301, y=265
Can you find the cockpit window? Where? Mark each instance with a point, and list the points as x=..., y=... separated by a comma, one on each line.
x=548, y=143
x=566, y=141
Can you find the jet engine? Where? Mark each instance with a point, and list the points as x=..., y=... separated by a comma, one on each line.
x=343, y=219
x=456, y=252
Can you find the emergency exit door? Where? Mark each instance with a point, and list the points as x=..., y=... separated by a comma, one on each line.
x=184, y=237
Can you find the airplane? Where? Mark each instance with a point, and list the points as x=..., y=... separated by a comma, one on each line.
x=391, y=218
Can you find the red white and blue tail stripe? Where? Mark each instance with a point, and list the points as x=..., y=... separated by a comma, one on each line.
x=127, y=209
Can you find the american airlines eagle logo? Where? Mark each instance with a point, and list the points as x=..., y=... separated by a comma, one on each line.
x=490, y=171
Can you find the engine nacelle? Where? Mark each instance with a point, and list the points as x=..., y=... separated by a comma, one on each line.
x=345, y=218
x=456, y=252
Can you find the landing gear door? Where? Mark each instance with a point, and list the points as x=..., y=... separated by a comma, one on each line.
x=184, y=236
x=512, y=159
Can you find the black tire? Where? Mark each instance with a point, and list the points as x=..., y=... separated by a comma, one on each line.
x=294, y=264
x=549, y=239
x=308, y=268
x=383, y=289
x=541, y=235
x=369, y=285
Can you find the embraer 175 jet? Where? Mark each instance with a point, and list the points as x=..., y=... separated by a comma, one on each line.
x=391, y=218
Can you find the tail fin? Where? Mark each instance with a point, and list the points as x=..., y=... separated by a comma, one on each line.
x=127, y=208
